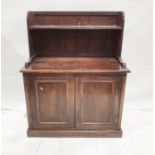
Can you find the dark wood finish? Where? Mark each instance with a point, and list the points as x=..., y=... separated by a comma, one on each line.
x=49, y=31
x=75, y=78
x=75, y=65
x=79, y=43
x=97, y=101
x=52, y=100
x=74, y=133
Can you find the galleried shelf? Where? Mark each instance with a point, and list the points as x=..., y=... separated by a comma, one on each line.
x=75, y=78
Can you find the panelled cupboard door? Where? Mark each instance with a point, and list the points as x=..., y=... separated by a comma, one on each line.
x=98, y=102
x=51, y=101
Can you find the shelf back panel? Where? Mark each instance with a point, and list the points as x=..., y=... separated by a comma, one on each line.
x=75, y=42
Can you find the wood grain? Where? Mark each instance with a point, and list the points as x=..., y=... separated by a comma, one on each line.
x=74, y=80
x=74, y=65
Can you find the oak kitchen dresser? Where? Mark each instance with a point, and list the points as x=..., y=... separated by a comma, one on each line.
x=75, y=78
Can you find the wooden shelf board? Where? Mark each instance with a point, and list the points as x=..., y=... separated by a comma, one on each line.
x=80, y=27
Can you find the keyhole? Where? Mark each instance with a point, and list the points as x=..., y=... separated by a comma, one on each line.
x=41, y=88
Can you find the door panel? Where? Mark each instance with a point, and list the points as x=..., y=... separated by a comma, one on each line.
x=54, y=102
x=97, y=102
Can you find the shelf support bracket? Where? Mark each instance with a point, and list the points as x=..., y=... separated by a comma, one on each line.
x=121, y=62
x=30, y=60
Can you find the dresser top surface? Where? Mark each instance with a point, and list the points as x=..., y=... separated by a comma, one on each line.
x=74, y=65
